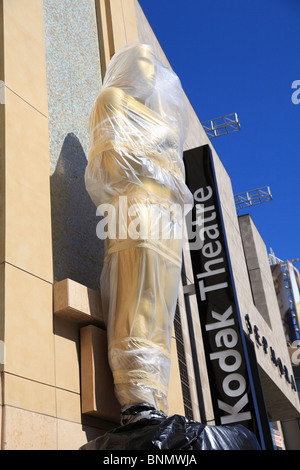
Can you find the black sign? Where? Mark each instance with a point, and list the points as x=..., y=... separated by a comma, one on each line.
x=231, y=385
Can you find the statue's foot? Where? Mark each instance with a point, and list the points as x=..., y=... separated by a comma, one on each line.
x=134, y=412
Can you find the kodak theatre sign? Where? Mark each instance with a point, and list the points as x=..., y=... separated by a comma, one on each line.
x=231, y=391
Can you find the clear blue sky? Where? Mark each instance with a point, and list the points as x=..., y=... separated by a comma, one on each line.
x=243, y=56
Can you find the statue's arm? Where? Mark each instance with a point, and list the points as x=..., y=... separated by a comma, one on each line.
x=105, y=120
x=112, y=101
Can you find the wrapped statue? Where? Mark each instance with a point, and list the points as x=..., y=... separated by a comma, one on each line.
x=137, y=128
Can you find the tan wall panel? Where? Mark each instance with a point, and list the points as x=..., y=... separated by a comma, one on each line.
x=175, y=399
x=129, y=15
x=27, y=430
x=25, y=157
x=67, y=355
x=117, y=26
x=122, y=21
x=24, y=61
x=2, y=145
x=28, y=212
x=115, y=10
x=29, y=340
x=2, y=304
x=97, y=389
x=105, y=42
x=29, y=395
x=71, y=436
x=68, y=405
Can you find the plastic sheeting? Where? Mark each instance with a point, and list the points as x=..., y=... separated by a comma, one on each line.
x=135, y=174
x=175, y=433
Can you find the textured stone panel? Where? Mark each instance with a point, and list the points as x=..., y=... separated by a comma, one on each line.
x=73, y=81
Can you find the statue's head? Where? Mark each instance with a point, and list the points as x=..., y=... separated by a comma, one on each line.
x=144, y=63
x=133, y=69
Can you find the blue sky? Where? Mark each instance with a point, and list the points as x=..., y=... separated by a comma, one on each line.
x=243, y=56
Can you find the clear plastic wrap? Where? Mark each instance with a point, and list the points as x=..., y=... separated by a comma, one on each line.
x=137, y=128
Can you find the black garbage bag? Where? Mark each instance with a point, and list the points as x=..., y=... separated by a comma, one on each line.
x=175, y=433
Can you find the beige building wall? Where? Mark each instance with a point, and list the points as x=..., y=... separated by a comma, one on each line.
x=27, y=372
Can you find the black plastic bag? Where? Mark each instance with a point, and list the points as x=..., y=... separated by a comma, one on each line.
x=175, y=433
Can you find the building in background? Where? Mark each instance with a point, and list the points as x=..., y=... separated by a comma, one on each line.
x=56, y=387
x=286, y=279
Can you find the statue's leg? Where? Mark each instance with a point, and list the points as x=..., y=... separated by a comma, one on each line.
x=142, y=284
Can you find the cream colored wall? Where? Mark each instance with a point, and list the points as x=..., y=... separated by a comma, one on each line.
x=27, y=224
x=28, y=373
x=117, y=26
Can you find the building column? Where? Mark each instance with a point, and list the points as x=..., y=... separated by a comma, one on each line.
x=116, y=27
x=26, y=333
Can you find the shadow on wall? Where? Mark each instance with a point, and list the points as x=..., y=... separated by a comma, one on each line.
x=77, y=251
